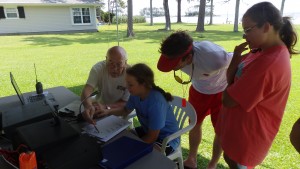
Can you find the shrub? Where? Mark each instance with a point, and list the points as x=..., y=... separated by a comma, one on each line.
x=136, y=19
x=105, y=18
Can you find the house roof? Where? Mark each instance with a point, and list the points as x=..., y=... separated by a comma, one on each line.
x=50, y=2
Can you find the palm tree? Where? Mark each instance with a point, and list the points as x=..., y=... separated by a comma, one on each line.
x=130, y=32
x=167, y=15
x=282, y=6
x=108, y=7
x=211, y=12
x=151, y=14
x=236, y=17
x=201, y=16
x=178, y=11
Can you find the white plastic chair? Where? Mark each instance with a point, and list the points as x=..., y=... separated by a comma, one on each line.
x=182, y=114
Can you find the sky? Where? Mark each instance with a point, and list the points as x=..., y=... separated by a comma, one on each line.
x=291, y=6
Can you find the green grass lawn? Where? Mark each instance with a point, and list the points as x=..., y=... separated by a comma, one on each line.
x=65, y=60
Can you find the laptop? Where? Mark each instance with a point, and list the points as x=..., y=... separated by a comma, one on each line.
x=29, y=99
x=31, y=110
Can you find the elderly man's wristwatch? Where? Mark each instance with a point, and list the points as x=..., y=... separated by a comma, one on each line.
x=107, y=107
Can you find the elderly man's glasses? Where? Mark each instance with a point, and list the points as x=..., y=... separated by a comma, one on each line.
x=179, y=80
x=116, y=65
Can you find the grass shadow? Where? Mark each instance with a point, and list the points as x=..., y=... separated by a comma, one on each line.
x=145, y=32
x=202, y=161
x=76, y=89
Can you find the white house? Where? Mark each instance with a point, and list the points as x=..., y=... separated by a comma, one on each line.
x=47, y=16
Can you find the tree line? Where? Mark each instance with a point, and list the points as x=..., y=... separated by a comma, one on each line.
x=206, y=7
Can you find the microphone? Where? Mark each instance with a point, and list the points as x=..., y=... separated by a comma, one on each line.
x=79, y=117
x=54, y=112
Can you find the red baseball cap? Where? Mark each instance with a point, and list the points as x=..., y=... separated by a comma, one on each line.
x=167, y=63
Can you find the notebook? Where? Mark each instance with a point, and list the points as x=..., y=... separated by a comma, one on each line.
x=122, y=152
x=108, y=127
x=29, y=99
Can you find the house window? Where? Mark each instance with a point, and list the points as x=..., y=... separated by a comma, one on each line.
x=81, y=15
x=11, y=13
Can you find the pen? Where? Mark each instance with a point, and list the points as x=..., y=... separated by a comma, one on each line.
x=96, y=129
x=71, y=111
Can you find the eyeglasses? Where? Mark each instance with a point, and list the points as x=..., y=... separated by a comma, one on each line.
x=179, y=80
x=113, y=65
x=249, y=29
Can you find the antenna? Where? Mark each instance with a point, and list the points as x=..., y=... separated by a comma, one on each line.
x=117, y=22
x=35, y=73
x=38, y=85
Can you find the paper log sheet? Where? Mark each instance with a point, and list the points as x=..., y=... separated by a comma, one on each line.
x=108, y=127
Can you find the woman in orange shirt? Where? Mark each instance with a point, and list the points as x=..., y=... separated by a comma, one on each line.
x=258, y=87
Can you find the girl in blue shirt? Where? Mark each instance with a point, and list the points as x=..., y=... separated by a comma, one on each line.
x=152, y=108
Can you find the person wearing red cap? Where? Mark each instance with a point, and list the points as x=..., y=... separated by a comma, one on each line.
x=206, y=64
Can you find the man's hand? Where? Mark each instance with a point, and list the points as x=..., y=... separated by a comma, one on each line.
x=88, y=114
x=100, y=110
x=97, y=110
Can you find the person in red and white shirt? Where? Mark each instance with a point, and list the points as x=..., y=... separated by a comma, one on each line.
x=206, y=64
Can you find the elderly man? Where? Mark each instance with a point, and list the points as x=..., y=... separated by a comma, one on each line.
x=108, y=77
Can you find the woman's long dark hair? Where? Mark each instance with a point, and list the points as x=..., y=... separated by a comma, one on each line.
x=144, y=75
x=266, y=12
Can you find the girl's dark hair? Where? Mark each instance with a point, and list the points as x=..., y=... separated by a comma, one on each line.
x=266, y=12
x=144, y=75
x=176, y=44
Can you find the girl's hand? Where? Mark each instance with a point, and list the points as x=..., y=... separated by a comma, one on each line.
x=238, y=50
x=236, y=59
x=98, y=106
